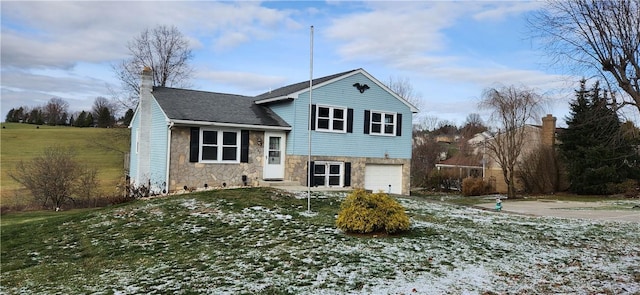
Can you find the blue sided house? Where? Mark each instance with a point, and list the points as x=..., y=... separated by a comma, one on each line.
x=361, y=135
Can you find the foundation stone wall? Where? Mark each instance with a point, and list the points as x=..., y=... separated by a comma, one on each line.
x=296, y=169
x=195, y=175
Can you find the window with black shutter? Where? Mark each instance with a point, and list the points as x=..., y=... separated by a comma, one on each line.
x=218, y=146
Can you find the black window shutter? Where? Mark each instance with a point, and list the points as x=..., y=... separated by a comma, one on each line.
x=347, y=174
x=310, y=174
x=244, y=146
x=399, y=125
x=194, y=145
x=313, y=117
x=367, y=118
x=349, y=120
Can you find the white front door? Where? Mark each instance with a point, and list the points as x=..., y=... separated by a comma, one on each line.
x=274, y=150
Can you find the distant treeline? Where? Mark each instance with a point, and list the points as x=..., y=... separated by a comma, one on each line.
x=56, y=112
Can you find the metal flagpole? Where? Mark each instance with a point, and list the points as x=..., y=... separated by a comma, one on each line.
x=309, y=137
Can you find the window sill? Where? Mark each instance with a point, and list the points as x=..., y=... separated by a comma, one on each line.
x=330, y=131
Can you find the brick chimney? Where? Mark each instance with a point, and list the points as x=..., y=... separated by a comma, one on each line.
x=549, y=130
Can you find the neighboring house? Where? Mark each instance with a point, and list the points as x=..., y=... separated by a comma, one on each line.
x=186, y=138
x=480, y=163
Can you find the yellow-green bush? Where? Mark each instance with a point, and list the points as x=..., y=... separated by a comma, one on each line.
x=363, y=212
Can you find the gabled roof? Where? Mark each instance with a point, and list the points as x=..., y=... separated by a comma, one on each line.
x=199, y=106
x=283, y=92
x=290, y=91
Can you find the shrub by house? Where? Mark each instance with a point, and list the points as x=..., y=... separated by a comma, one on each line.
x=363, y=212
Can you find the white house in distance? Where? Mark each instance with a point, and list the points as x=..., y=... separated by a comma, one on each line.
x=360, y=137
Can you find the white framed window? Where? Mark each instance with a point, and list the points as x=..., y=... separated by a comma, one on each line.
x=332, y=119
x=383, y=123
x=219, y=146
x=328, y=173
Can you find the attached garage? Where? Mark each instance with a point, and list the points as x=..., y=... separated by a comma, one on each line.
x=379, y=177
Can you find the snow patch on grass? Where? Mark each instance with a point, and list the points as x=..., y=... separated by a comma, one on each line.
x=209, y=247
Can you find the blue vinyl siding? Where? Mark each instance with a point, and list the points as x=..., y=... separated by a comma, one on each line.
x=159, y=146
x=159, y=133
x=341, y=93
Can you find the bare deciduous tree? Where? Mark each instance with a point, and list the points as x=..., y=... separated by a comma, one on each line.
x=540, y=171
x=429, y=123
x=511, y=108
x=472, y=126
x=104, y=112
x=403, y=88
x=53, y=176
x=117, y=142
x=56, y=111
x=424, y=155
x=163, y=49
x=602, y=36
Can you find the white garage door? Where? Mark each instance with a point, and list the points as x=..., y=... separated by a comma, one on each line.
x=379, y=177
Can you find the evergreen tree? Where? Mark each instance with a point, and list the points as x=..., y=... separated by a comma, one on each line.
x=36, y=117
x=593, y=146
x=104, y=118
x=88, y=122
x=9, y=117
x=19, y=115
x=128, y=116
x=82, y=117
x=63, y=119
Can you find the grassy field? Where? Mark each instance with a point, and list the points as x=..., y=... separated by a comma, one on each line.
x=25, y=141
x=261, y=241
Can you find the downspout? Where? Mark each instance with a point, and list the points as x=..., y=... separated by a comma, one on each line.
x=166, y=181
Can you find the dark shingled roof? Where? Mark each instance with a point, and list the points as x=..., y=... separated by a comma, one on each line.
x=286, y=90
x=193, y=105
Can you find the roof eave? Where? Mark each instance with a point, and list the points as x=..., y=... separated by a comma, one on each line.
x=273, y=99
x=230, y=125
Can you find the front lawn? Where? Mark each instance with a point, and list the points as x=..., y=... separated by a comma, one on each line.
x=261, y=241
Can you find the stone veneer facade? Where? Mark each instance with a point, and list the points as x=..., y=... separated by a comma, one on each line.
x=296, y=169
x=195, y=175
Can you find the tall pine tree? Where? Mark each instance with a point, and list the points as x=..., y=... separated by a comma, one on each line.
x=594, y=148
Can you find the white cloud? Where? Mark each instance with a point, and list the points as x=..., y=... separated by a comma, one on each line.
x=417, y=38
x=70, y=32
x=507, y=76
x=390, y=32
x=504, y=9
x=45, y=36
x=246, y=81
x=28, y=89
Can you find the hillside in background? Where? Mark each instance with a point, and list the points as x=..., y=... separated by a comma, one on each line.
x=100, y=148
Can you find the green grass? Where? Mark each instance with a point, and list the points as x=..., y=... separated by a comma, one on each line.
x=260, y=241
x=22, y=142
x=156, y=234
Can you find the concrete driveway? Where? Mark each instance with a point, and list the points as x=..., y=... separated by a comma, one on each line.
x=605, y=210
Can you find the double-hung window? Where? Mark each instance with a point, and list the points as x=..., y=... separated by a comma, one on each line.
x=327, y=173
x=219, y=146
x=383, y=123
x=331, y=119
